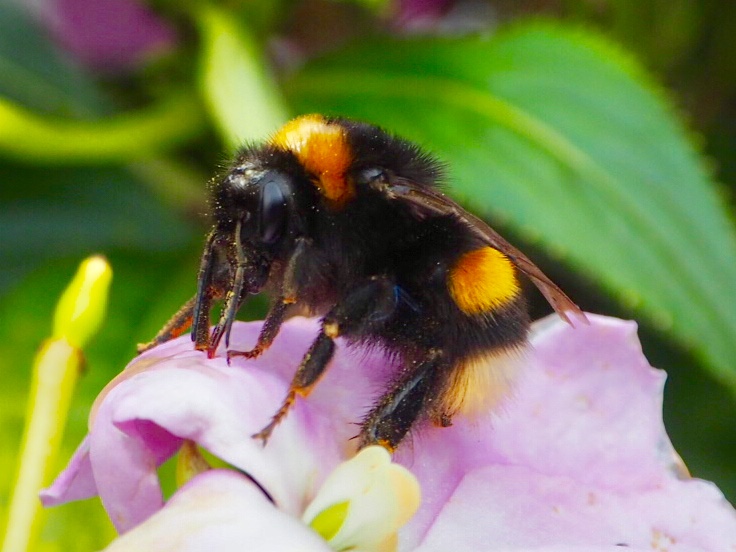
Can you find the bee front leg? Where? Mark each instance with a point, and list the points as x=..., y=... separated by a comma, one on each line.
x=365, y=307
x=269, y=331
x=391, y=418
x=288, y=296
x=176, y=326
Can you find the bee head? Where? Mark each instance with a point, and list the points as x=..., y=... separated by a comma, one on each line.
x=253, y=200
x=251, y=206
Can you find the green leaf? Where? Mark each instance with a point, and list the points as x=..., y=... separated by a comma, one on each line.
x=240, y=94
x=562, y=136
x=46, y=214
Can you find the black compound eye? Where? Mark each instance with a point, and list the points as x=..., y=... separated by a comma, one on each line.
x=272, y=212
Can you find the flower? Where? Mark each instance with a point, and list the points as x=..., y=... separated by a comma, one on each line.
x=110, y=36
x=577, y=458
x=364, y=502
x=360, y=507
x=220, y=510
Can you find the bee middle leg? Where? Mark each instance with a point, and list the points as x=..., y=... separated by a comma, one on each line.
x=365, y=307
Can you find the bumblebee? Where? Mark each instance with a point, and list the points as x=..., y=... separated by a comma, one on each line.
x=345, y=221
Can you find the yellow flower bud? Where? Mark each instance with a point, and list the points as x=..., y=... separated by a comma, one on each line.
x=81, y=309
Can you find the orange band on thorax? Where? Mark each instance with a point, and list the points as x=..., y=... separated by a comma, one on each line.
x=323, y=150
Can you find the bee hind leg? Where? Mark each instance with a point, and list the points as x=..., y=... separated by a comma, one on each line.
x=410, y=396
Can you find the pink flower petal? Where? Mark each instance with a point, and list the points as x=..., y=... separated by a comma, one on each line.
x=220, y=510
x=76, y=482
x=581, y=439
x=517, y=508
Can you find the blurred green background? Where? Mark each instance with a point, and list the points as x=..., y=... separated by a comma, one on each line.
x=598, y=135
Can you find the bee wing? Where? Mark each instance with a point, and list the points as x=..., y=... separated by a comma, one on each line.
x=429, y=201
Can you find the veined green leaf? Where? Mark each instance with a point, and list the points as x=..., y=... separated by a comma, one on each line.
x=562, y=136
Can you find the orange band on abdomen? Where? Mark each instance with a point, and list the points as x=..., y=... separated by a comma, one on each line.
x=482, y=281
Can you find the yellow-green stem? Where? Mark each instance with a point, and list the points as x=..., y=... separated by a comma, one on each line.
x=56, y=368
x=55, y=374
x=140, y=134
